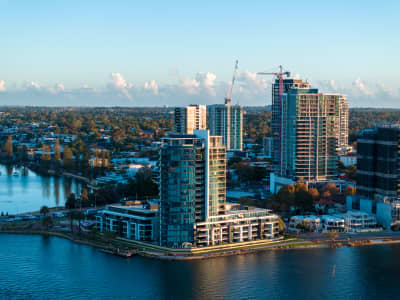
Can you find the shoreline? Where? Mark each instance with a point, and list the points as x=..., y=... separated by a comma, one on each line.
x=283, y=245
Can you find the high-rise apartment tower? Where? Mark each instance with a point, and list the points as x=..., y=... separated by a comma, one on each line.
x=308, y=129
x=192, y=184
x=226, y=120
x=189, y=118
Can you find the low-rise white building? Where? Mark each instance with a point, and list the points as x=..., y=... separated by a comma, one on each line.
x=310, y=223
x=332, y=223
x=358, y=221
x=237, y=226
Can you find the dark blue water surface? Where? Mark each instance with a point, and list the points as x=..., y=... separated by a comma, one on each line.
x=53, y=268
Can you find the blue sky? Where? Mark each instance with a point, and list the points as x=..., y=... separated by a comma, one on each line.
x=172, y=52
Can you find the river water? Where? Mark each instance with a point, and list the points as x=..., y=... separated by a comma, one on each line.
x=24, y=191
x=49, y=267
x=36, y=267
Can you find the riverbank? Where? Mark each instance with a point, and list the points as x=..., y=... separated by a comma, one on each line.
x=127, y=248
x=147, y=250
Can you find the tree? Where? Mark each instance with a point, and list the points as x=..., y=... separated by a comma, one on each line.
x=331, y=188
x=71, y=201
x=285, y=197
x=44, y=210
x=350, y=190
x=8, y=147
x=46, y=153
x=67, y=157
x=143, y=185
x=84, y=196
x=47, y=221
x=303, y=200
x=301, y=187
x=326, y=194
x=104, y=159
x=314, y=194
x=57, y=155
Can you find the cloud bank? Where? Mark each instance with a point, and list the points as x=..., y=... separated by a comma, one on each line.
x=202, y=88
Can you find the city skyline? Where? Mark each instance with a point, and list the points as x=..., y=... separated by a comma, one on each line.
x=59, y=54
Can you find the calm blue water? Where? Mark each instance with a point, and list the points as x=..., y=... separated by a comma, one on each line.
x=28, y=191
x=48, y=268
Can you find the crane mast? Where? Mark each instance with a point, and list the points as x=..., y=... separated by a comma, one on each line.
x=277, y=110
x=228, y=97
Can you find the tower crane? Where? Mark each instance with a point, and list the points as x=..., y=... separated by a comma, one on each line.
x=228, y=97
x=277, y=113
x=279, y=75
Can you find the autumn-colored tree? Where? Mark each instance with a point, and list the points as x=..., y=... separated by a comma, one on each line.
x=350, y=190
x=326, y=194
x=46, y=153
x=301, y=187
x=67, y=157
x=331, y=188
x=8, y=147
x=314, y=193
x=57, y=155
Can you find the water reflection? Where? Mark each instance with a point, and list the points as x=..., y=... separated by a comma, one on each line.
x=29, y=263
x=57, y=190
x=21, y=190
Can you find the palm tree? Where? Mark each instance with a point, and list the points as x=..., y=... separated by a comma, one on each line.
x=44, y=210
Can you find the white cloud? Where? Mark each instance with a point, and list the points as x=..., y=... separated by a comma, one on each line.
x=250, y=82
x=202, y=83
x=361, y=87
x=190, y=86
x=2, y=86
x=151, y=86
x=59, y=87
x=32, y=85
x=119, y=83
x=202, y=88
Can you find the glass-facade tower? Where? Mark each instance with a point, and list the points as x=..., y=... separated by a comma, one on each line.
x=192, y=185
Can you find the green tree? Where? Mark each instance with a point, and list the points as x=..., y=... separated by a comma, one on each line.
x=285, y=197
x=71, y=201
x=44, y=210
x=143, y=185
x=303, y=200
x=47, y=222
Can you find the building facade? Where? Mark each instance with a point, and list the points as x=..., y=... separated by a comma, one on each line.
x=226, y=120
x=237, y=226
x=308, y=129
x=378, y=161
x=189, y=118
x=193, y=209
x=267, y=146
x=138, y=222
x=192, y=184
